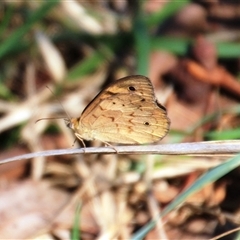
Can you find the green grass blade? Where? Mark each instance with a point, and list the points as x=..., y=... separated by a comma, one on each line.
x=75, y=231
x=36, y=16
x=6, y=19
x=169, y=10
x=142, y=43
x=179, y=46
x=228, y=50
x=90, y=64
x=175, y=45
x=223, y=135
x=205, y=179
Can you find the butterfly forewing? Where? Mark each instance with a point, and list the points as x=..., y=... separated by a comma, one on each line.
x=125, y=112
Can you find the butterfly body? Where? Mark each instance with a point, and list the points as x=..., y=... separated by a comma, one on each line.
x=125, y=112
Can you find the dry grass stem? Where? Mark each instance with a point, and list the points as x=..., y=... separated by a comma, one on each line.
x=215, y=148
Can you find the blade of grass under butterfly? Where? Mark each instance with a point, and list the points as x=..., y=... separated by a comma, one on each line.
x=207, y=178
x=75, y=231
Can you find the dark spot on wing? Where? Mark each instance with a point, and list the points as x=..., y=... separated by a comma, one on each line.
x=111, y=118
x=131, y=88
x=147, y=123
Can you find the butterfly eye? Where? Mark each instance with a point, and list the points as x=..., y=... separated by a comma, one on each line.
x=131, y=88
x=67, y=122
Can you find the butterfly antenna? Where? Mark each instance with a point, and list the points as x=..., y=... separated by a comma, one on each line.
x=68, y=116
x=40, y=119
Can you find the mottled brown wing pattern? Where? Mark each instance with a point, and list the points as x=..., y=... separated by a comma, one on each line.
x=126, y=112
x=121, y=86
x=138, y=122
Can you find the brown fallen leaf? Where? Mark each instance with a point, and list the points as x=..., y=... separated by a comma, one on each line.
x=27, y=208
x=217, y=76
x=204, y=66
x=14, y=170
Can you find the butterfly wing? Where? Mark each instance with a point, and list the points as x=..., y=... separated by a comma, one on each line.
x=126, y=112
x=122, y=86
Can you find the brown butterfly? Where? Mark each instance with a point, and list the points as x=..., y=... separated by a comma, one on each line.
x=125, y=112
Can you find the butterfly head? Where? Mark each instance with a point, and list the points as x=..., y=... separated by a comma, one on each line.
x=68, y=122
x=71, y=123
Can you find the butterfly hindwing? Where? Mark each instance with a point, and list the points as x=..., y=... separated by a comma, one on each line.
x=126, y=112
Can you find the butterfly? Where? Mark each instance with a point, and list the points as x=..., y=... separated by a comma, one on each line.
x=125, y=112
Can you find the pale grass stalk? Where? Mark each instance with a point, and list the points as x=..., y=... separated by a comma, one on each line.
x=23, y=111
x=151, y=201
x=128, y=178
x=96, y=206
x=29, y=134
x=81, y=167
x=80, y=17
x=89, y=19
x=6, y=106
x=104, y=204
x=53, y=59
x=211, y=148
x=154, y=209
x=112, y=166
x=124, y=216
x=183, y=165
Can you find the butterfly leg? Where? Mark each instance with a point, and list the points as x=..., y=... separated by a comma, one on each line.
x=83, y=143
x=111, y=146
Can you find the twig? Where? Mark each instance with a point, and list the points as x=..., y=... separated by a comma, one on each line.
x=197, y=148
